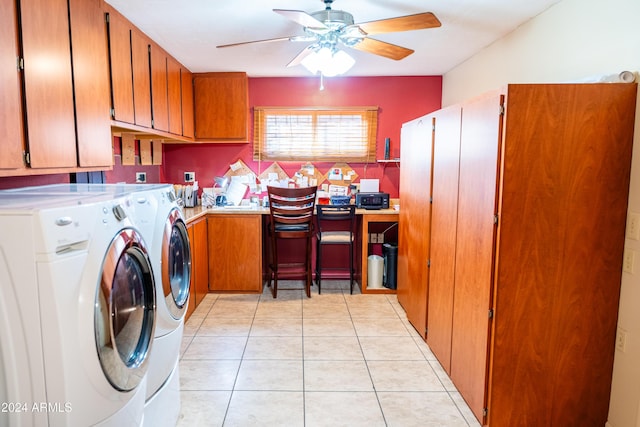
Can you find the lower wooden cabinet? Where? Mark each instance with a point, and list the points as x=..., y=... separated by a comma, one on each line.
x=197, y=231
x=235, y=252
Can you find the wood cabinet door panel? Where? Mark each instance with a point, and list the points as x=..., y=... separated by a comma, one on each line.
x=221, y=106
x=174, y=96
x=192, y=286
x=48, y=89
x=416, y=169
x=477, y=197
x=200, y=260
x=141, y=78
x=235, y=252
x=187, y=102
x=404, y=229
x=444, y=213
x=159, y=95
x=91, y=82
x=570, y=204
x=120, y=61
x=11, y=133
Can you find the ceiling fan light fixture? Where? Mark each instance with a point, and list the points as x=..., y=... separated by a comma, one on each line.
x=328, y=62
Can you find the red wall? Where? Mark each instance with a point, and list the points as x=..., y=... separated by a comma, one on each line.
x=400, y=99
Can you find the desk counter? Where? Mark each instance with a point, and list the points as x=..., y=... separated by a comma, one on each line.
x=368, y=218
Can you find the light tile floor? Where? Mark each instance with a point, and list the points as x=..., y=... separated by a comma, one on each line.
x=330, y=360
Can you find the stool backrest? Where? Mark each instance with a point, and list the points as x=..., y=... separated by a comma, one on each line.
x=334, y=213
x=291, y=209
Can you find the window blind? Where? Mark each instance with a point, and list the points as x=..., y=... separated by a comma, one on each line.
x=320, y=134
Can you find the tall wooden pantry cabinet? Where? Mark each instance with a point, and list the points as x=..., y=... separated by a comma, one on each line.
x=524, y=283
x=414, y=220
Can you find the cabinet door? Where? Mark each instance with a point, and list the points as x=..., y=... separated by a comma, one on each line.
x=187, y=102
x=91, y=82
x=235, y=252
x=413, y=245
x=48, y=94
x=159, y=96
x=174, y=84
x=121, y=71
x=200, y=260
x=192, y=286
x=11, y=135
x=475, y=242
x=141, y=78
x=444, y=211
x=221, y=106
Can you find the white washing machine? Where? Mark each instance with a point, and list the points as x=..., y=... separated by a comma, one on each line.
x=77, y=304
x=171, y=257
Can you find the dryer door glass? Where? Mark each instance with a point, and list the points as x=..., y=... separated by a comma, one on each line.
x=125, y=309
x=176, y=264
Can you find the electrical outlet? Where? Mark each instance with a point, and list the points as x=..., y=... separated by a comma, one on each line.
x=380, y=237
x=628, y=261
x=141, y=177
x=189, y=176
x=633, y=226
x=373, y=238
x=621, y=340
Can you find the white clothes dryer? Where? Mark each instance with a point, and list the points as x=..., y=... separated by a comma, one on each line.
x=77, y=304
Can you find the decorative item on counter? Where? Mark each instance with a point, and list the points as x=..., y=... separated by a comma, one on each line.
x=387, y=153
x=341, y=174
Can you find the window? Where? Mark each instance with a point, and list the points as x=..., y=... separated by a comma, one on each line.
x=338, y=134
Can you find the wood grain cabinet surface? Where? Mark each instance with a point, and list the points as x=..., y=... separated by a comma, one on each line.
x=235, y=253
x=11, y=130
x=524, y=283
x=60, y=120
x=221, y=106
x=414, y=224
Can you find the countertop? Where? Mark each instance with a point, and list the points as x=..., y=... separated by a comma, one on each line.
x=192, y=214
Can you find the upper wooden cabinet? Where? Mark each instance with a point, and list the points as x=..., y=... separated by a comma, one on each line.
x=58, y=129
x=11, y=131
x=186, y=96
x=221, y=106
x=119, y=32
x=159, y=94
x=141, y=78
x=48, y=96
x=91, y=83
x=174, y=84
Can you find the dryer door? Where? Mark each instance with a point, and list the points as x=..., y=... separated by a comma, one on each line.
x=125, y=311
x=176, y=264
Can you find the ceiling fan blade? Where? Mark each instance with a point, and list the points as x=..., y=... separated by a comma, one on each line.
x=300, y=57
x=278, y=39
x=385, y=49
x=419, y=21
x=302, y=18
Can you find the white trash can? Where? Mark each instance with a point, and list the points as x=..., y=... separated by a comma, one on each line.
x=375, y=269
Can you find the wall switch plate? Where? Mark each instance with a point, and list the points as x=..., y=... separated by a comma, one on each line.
x=189, y=176
x=633, y=226
x=628, y=261
x=621, y=340
x=141, y=177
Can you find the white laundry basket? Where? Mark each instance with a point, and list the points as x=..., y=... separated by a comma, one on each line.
x=375, y=268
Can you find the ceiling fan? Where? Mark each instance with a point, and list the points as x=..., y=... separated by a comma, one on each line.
x=328, y=29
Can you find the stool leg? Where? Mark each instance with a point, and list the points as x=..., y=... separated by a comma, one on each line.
x=351, y=267
x=319, y=266
x=274, y=250
x=308, y=268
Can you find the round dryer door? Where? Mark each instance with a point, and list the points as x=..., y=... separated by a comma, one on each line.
x=176, y=264
x=125, y=311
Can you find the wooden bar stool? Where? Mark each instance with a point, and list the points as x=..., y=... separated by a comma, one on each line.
x=336, y=226
x=291, y=217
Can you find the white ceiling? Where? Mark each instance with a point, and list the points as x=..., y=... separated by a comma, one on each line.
x=190, y=30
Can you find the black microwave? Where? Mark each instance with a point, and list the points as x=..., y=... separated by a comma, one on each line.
x=372, y=200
